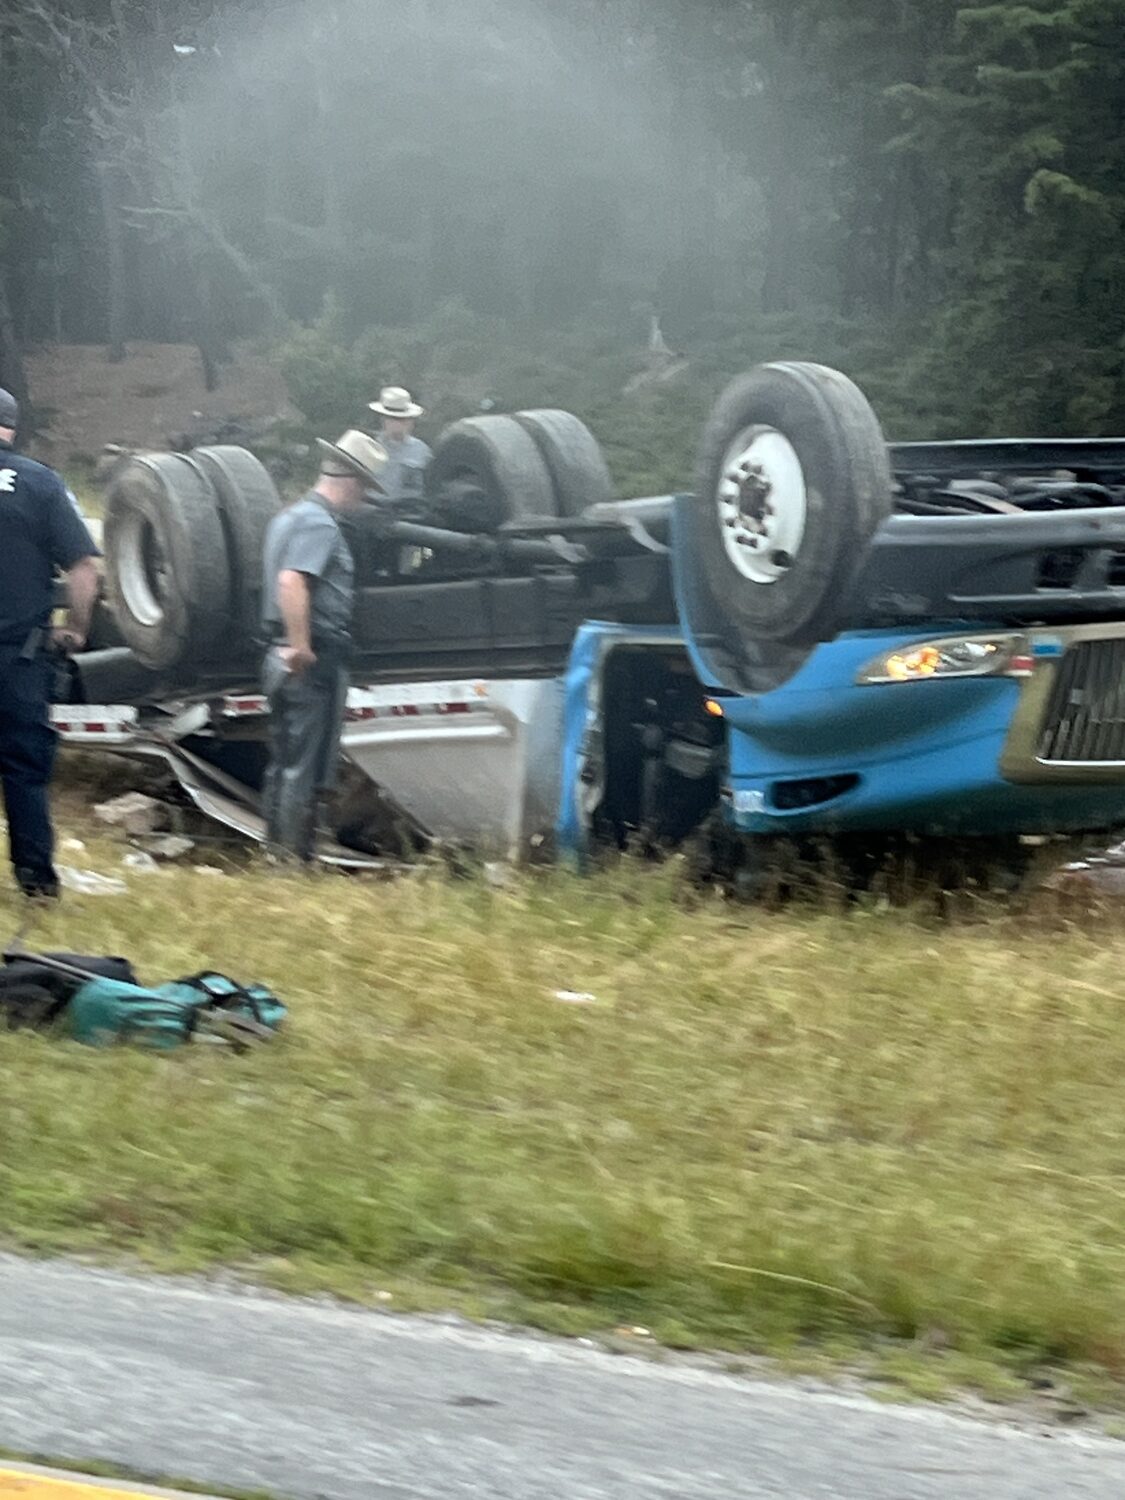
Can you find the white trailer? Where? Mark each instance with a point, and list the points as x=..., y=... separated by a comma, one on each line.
x=467, y=762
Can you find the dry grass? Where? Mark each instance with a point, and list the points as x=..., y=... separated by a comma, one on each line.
x=767, y=1127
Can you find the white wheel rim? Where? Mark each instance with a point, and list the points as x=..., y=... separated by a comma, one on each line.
x=141, y=569
x=763, y=504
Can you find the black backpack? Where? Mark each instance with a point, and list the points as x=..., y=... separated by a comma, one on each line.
x=31, y=994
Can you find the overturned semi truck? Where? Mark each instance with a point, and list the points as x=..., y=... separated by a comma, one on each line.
x=829, y=637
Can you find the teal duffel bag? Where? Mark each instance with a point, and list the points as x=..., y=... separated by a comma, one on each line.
x=204, y=1006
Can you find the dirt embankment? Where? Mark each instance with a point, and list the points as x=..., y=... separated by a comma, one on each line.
x=152, y=399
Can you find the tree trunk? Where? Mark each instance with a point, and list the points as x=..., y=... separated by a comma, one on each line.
x=13, y=376
x=782, y=242
x=115, y=263
x=57, y=296
x=325, y=46
x=428, y=185
x=208, y=338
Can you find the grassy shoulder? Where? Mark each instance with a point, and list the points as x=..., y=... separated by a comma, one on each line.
x=804, y=1134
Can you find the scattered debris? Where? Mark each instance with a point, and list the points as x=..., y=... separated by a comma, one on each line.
x=1100, y=875
x=141, y=863
x=576, y=997
x=134, y=813
x=211, y=870
x=498, y=876
x=73, y=846
x=90, y=883
x=171, y=847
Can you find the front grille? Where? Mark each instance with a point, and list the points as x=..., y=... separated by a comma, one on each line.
x=1085, y=719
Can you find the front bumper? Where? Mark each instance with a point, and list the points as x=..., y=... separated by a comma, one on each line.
x=1042, y=754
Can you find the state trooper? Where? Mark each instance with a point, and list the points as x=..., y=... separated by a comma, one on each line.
x=41, y=532
x=308, y=593
x=408, y=456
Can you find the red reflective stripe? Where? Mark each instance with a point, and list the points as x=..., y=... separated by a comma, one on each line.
x=409, y=710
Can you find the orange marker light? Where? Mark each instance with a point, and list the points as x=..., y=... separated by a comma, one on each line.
x=921, y=663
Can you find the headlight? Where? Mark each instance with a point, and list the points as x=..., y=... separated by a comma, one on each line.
x=958, y=656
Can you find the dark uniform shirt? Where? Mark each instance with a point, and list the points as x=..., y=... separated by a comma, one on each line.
x=40, y=530
x=307, y=539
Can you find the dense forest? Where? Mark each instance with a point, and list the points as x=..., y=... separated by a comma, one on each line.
x=930, y=195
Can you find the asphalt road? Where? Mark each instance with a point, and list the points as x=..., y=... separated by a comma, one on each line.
x=303, y=1399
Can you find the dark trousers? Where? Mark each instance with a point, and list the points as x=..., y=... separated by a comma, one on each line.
x=306, y=720
x=27, y=758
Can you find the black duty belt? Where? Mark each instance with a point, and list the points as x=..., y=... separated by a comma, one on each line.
x=30, y=642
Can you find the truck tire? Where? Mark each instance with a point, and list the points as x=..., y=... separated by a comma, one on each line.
x=167, y=571
x=792, y=482
x=573, y=456
x=497, y=459
x=248, y=502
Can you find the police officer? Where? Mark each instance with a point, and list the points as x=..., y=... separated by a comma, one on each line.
x=40, y=531
x=306, y=617
x=407, y=456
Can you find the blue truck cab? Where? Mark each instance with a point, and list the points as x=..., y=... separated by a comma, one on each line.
x=983, y=734
x=975, y=688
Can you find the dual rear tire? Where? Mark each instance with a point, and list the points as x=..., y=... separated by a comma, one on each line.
x=526, y=467
x=183, y=541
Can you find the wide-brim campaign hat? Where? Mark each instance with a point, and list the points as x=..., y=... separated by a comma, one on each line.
x=395, y=401
x=359, y=457
x=9, y=410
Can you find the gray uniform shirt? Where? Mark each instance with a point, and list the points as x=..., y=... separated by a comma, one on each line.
x=406, y=467
x=307, y=539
